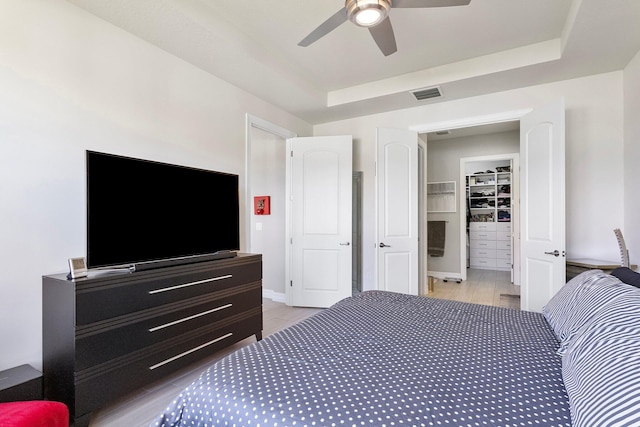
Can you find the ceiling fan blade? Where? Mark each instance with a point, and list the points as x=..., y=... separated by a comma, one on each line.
x=429, y=3
x=384, y=37
x=326, y=27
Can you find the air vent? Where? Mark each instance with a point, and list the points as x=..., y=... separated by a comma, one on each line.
x=430, y=92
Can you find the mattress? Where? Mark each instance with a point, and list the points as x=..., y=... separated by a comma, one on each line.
x=387, y=359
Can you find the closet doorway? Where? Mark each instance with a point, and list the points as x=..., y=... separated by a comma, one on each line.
x=492, y=225
x=448, y=153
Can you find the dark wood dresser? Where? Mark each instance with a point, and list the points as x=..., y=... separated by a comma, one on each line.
x=109, y=334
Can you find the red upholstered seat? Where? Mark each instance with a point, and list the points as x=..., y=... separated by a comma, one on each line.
x=34, y=413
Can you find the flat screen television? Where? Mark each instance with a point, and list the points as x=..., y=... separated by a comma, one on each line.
x=141, y=212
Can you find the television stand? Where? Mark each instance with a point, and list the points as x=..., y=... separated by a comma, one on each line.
x=106, y=336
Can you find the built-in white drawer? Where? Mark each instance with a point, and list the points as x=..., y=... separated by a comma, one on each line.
x=483, y=262
x=482, y=235
x=504, y=254
x=482, y=226
x=482, y=244
x=483, y=253
x=504, y=244
x=503, y=235
x=503, y=263
x=503, y=226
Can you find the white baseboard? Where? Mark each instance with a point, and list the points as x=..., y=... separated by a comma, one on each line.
x=444, y=275
x=273, y=295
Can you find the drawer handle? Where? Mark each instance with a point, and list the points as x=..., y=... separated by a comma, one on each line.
x=178, y=356
x=184, y=285
x=185, y=319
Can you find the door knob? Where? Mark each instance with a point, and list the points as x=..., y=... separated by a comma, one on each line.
x=382, y=245
x=554, y=253
x=345, y=244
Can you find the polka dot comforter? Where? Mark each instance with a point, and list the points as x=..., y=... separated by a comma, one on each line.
x=387, y=359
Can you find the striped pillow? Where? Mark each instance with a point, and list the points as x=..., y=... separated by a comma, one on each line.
x=578, y=300
x=601, y=366
x=589, y=301
x=555, y=310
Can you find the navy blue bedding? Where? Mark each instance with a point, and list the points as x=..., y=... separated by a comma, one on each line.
x=387, y=359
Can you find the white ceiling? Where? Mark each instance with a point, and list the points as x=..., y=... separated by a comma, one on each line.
x=474, y=131
x=487, y=46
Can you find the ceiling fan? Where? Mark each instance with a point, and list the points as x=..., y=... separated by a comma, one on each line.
x=374, y=14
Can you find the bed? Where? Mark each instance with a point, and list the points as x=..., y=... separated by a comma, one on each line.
x=389, y=359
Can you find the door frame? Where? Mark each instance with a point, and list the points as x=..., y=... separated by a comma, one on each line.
x=515, y=211
x=489, y=119
x=423, y=262
x=251, y=122
x=356, y=231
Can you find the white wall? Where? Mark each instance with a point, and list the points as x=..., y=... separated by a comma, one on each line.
x=631, y=227
x=594, y=153
x=71, y=82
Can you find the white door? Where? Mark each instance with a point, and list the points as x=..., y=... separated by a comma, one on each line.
x=542, y=205
x=320, y=182
x=397, y=210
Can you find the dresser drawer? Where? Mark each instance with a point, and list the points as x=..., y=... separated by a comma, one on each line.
x=483, y=262
x=103, y=341
x=503, y=235
x=482, y=235
x=503, y=254
x=503, y=244
x=503, y=263
x=483, y=253
x=106, y=382
x=122, y=294
x=482, y=226
x=503, y=226
x=482, y=244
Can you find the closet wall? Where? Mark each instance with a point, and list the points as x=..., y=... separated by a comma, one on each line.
x=443, y=164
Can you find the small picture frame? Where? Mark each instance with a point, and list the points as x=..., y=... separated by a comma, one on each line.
x=77, y=268
x=262, y=205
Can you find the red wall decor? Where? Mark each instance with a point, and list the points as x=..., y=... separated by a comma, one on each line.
x=262, y=205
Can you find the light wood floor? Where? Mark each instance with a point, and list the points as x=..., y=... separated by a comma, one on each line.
x=486, y=287
x=141, y=408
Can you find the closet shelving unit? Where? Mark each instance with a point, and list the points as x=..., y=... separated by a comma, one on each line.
x=489, y=202
x=489, y=196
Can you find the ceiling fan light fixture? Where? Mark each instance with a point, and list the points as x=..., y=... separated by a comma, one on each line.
x=367, y=13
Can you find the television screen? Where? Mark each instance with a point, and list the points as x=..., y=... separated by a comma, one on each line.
x=140, y=211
